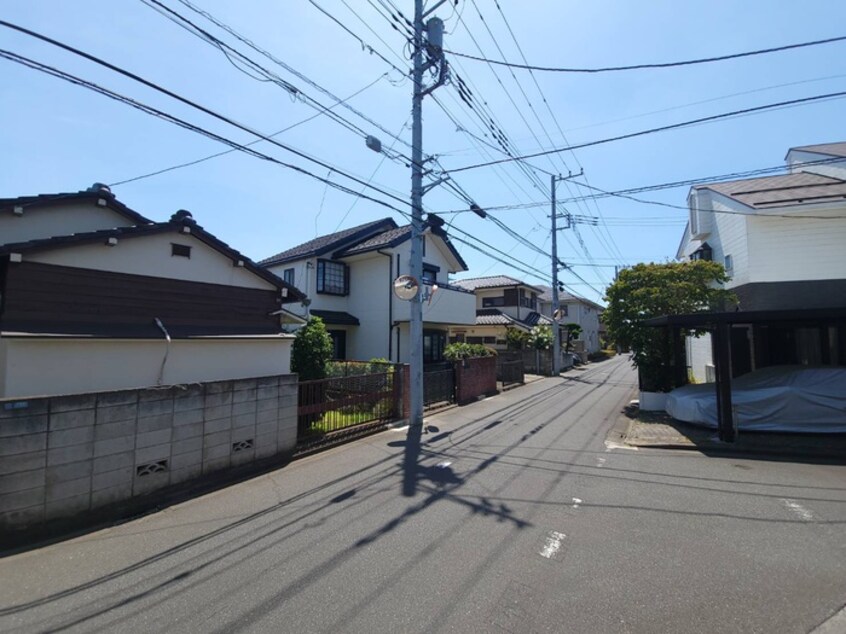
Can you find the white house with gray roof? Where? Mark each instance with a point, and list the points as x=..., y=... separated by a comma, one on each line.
x=502, y=302
x=348, y=277
x=782, y=240
x=575, y=310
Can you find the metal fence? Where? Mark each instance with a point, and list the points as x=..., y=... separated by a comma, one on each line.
x=339, y=406
x=510, y=368
x=438, y=385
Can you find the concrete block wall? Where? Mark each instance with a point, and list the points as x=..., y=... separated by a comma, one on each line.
x=63, y=457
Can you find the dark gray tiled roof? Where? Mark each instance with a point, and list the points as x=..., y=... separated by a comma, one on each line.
x=493, y=281
x=389, y=238
x=831, y=149
x=782, y=191
x=330, y=242
x=494, y=317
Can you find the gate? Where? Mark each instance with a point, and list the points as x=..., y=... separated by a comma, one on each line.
x=510, y=368
x=438, y=385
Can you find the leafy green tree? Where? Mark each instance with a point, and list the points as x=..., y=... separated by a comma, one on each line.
x=515, y=338
x=573, y=332
x=312, y=350
x=652, y=290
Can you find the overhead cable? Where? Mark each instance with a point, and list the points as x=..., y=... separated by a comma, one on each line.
x=689, y=62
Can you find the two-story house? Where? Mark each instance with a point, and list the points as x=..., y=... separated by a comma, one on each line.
x=97, y=297
x=348, y=276
x=781, y=239
x=502, y=302
x=575, y=310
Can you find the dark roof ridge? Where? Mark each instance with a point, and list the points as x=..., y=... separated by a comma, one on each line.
x=54, y=200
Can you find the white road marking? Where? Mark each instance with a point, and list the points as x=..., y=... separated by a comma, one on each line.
x=600, y=462
x=801, y=512
x=576, y=502
x=552, y=545
x=443, y=465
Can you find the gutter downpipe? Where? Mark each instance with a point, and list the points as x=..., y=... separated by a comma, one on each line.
x=390, y=302
x=167, y=350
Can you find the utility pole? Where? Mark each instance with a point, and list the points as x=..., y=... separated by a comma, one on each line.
x=556, y=302
x=433, y=45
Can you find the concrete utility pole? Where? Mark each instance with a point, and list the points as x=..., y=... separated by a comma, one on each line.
x=432, y=45
x=556, y=303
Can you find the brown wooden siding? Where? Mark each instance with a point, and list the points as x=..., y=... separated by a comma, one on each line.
x=48, y=298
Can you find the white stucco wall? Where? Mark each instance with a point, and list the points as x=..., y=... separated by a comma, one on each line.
x=151, y=255
x=699, y=355
x=788, y=249
x=50, y=366
x=58, y=221
x=796, y=158
x=371, y=305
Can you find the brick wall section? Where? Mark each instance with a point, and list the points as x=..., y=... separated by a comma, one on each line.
x=475, y=378
x=62, y=457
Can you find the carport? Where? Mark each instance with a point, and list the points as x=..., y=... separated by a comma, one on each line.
x=772, y=334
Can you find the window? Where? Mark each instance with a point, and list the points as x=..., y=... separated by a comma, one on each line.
x=729, y=263
x=702, y=253
x=694, y=214
x=333, y=278
x=489, y=302
x=180, y=250
x=434, y=342
x=430, y=273
x=288, y=276
x=527, y=301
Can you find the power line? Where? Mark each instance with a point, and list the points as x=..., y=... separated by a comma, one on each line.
x=204, y=35
x=50, y=70
x=197, y=106
x=690, y=62
x=218, y=154
x=674, y=126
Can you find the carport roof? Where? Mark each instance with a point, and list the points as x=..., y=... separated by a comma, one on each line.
x=707, y=320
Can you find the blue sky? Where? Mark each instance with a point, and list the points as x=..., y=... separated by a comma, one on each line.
x=58, y=137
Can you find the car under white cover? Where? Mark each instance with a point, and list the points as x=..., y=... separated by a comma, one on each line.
x=780, y=398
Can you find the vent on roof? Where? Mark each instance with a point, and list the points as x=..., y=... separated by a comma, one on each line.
x=101, y=188
x=180, y=250
x=183, y=215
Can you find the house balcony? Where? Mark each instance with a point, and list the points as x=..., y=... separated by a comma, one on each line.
x=448, y=305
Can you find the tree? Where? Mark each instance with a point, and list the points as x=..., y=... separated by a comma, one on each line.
x=516, y=338
x=573, y=332
x=540, y=338
x=652, y=290
x=312, y=350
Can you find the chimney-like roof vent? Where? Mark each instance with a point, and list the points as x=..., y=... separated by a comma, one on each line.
x=100, y=188
x=183, y=215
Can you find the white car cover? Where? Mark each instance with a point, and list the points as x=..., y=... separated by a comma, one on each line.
x=781, y=398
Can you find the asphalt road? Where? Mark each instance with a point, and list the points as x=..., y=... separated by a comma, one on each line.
x=514, y=516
